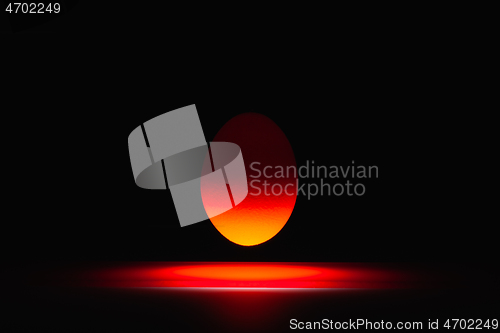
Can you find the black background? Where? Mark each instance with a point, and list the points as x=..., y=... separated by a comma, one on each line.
x=407, y=104
x=86, y=205
x=410, y=96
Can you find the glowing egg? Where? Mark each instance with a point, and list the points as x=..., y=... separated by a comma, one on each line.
x=272, y=180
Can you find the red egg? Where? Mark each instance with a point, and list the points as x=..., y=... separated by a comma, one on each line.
x=272, y=180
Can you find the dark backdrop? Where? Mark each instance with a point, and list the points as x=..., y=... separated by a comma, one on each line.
x=81, y=84
x=84, y=205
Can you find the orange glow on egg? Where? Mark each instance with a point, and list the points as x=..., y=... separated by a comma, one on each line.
x=267, y=208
